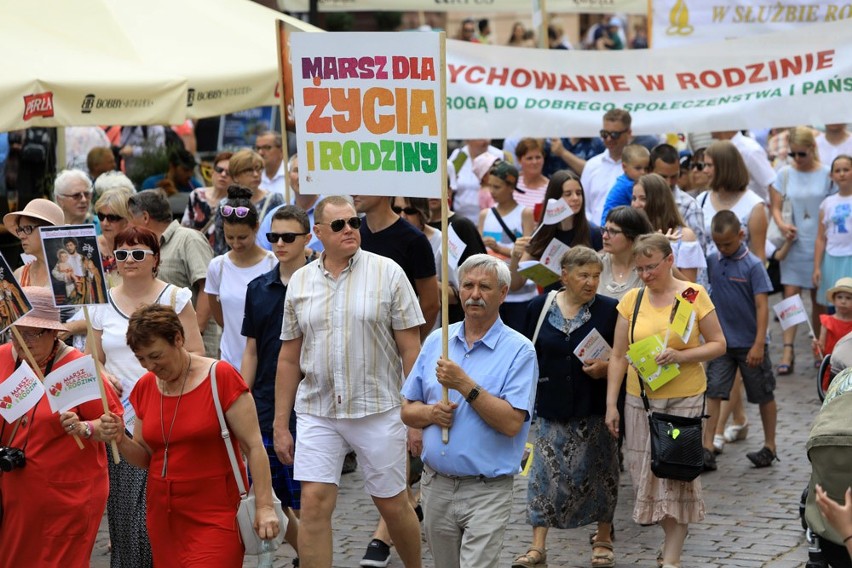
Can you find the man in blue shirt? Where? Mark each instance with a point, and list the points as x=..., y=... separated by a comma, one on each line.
x=181, y=167
x=491, y=376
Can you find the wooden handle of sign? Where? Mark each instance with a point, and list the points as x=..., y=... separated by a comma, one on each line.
x=445, y=266
x=28, y=354
x=281, y=36
x=90, y=340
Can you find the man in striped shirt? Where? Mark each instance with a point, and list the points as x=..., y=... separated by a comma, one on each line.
x=350, y=335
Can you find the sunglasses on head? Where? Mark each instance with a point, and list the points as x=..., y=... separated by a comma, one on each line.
x=220, y=170
x=286, y=237
x=407, y=210
x=137, y=254
x=699, y=166
x=230, y=211
x=338, y=224
x=112, y=218
x=614, y=134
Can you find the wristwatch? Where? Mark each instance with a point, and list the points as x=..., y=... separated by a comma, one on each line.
x=474, y=392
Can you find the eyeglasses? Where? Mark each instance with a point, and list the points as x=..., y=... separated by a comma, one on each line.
x=614, y=134
x=77, y=196
x=699, y=166
x=254, y=170
x=264, y=148
x=650, y=268
x=137, y=254
x=286, y=237
x=798, y=154
x=25, y=229
x=112, y=218
x=407, y=210
x=221, y=171
x=611, y=232
x=338, y=224
x=230, y=211
x=31, y=335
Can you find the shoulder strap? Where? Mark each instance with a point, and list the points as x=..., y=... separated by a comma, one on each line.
x=226, y=434
x=506, y=229
x=547, y=303
x=632, y=328
x=704, y=197
x=173, y=298
x=160, y=295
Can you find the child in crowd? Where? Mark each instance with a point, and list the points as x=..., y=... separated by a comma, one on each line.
x=740, y=290
x=838, y=324
x=64, y=272
x=635, y=161
x=833, y=250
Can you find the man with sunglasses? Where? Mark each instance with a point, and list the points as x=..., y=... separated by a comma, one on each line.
x=350, y=333
x=601, y=171
x=269, y=146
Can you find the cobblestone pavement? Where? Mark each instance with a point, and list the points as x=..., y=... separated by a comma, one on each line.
x=752, y=514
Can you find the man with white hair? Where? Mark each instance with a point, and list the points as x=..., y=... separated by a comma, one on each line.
x=491, y=374
x=72, y=191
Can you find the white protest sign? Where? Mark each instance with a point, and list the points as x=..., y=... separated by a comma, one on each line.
x=19, y=393
x=804, y=77
x=369, y=105
x=791, y=311
x=557, y=210
x=455, y=247
x=552, y=256
x=72, y=384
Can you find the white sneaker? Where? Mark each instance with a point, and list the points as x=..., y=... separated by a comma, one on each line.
x=718, y=443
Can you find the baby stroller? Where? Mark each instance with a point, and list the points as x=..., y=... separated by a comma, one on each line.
x=830, y=453
x=824, y=377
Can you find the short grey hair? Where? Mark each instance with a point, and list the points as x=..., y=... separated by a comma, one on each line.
x=484, y=261
x=66, y=177
x=113, y=180
x=580, y=256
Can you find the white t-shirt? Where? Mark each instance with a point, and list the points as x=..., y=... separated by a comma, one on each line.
x=837, y=218
x=120, y=360
x=229, y=281
x=491, y=227
x=598, y=177
x=828, y=151
x=760, y=172
x=464, y=182
x=689, y=255
x=742, y=209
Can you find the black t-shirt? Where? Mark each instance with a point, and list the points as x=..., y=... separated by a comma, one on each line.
x=403, y=243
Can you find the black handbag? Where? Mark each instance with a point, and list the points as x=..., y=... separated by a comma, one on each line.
x=677, y=451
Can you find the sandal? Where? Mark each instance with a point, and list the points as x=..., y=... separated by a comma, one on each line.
x=594, y=536
x=787, y=368
x=605, y=559
x=527, y=560
x=736, y=432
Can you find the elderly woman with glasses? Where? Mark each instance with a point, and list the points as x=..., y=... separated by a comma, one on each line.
x=53, y=496
x=73, y=193
x=669, y=503
x=229, y=274
x=137, y=255
x=245, y=168
x=25, y=224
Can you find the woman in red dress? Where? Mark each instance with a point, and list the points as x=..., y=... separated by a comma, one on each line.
x=192, y=495
x=53, y=500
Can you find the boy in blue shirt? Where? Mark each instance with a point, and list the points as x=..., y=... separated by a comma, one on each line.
x=635, y=161
x=740, y=290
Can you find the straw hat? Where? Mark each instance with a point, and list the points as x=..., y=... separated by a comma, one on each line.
x=842, y=285
x=42, y=209
x=44, y=314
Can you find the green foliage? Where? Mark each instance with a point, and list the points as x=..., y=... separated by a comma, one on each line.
x=153, y=161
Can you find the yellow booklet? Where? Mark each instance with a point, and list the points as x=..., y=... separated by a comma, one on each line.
x=642, y=353
x=682, y=318
x=538, y=273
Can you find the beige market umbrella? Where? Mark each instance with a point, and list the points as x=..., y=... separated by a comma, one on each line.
x=91, y=62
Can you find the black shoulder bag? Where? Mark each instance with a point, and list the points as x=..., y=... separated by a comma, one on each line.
x=506, y=228
x=676, y=448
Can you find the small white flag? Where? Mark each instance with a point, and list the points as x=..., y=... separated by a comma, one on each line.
x=791, y=311
x=455, y=247
x=72, y=384
x=557, y=210
x=551, y=258
x=19, y=393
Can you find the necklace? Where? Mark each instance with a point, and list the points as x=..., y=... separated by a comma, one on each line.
x=174, y=417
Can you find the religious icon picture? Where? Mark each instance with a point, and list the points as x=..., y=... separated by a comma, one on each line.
x=13, y=302
x=74, y=260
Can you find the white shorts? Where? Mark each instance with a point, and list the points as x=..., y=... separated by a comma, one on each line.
x=378, y=439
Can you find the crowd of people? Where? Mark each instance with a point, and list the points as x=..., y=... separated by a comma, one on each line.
x=321, y=320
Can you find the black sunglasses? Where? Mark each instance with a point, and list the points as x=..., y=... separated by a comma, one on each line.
x=699, y=166
x=614, y=134
x=112, y=218
x=286, y=237
x=220, y=170
x=407, y=210
x=137, y=254
x=798, y=154
x=338, y=224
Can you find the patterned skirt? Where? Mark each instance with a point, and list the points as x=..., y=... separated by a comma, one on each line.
x=574, y=474
x=126, y=513
x=655, y=498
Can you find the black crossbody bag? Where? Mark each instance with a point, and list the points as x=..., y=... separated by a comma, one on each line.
x=676, y=448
